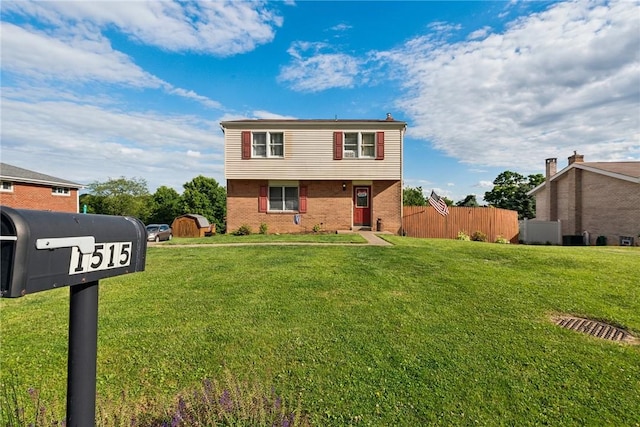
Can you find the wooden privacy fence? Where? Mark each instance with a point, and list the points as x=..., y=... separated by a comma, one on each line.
x=425, y=221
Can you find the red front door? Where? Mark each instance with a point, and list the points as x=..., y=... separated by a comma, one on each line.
x=362, y=206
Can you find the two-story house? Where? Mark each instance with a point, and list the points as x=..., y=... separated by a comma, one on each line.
x=304, y=175
x=25, y=189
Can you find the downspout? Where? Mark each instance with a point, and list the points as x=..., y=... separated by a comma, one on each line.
x=402, y=131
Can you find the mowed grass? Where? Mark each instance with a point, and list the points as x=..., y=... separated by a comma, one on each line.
x=427, y=332
x=226, y=239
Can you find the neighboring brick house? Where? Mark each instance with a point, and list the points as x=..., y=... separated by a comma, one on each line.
x=301, y=175
x=26, y=189
x=592, y=199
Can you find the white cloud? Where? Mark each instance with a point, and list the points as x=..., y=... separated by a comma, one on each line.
x=261, y=114
x=36, y=54
x=220, y=28
x=484, y=184
x=341, y=27
x=561, y=80
x=78, y=57
x=443, y=27
x=94, y=141
x=412, y=182
x=319, y=71
x=480, y=33
x=257, y=114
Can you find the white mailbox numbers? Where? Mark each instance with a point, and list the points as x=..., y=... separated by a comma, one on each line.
x=104, y=257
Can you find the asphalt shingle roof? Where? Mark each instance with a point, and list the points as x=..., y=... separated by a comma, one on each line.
x=16, y=174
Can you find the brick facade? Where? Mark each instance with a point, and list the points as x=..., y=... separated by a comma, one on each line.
x=610, y=207
x=592, y=200
x=40, y=197
x=328, y=206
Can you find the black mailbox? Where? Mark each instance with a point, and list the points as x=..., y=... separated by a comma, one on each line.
x=43, y=250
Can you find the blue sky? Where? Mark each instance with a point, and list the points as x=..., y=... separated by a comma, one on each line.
x=99, y=90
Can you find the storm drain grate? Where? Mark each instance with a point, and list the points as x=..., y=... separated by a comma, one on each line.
x=594, y=328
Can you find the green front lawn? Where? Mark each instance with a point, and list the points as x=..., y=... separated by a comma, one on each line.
x=225, y=239
x=425, y=332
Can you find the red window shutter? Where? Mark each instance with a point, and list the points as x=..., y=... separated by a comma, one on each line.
x=379, y=145
x=337, y=145
x=262, y=200
x=302, y=202
x=246, y=145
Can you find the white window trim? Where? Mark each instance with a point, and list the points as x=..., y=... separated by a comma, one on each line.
x=357, y=154
x=268, y=144
x=282, y=184
x=7, y=190
x=66, y=191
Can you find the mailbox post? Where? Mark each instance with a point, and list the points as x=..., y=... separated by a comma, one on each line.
x=43, y=250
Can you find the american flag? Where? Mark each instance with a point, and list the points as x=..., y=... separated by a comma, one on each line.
x=438, y=203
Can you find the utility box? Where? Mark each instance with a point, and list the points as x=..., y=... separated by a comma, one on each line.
x=42, y=250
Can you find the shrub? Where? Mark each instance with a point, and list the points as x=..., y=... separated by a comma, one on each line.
x=463, y=236
x=263, y=228
x=502, y=240
x=317, y=228
x=229, y=402
x=479, y=236
x=235, y=403
x=243, y=230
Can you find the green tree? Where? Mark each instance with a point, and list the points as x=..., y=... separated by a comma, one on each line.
x=166, y=205
x=469, y=201
x=120, y=196
x=413, y=197
x=510, y=192
x=205, y=197
x=90, y=201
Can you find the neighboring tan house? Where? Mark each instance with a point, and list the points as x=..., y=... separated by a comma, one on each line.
x=306, y=175
x=25, y=189
x=592, y=199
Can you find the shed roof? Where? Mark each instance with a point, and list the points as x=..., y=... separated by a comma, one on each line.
x=16, y=174
x=201, y=220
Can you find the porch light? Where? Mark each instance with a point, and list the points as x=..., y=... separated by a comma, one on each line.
x=344, y=186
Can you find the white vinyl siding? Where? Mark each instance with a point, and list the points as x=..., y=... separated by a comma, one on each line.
x=308, y=154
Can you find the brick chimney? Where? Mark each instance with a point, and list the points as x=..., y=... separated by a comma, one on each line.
x=551, y=167
x=550, y=212
x=576, y=158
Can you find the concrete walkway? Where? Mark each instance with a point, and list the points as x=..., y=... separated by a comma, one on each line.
x=373, y=239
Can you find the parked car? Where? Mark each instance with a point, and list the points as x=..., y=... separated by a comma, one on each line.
x=158, y=232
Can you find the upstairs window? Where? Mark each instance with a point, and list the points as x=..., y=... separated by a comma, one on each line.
x=60, y=191
x=262, y=145
x=6, y=186
x=358, y=145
